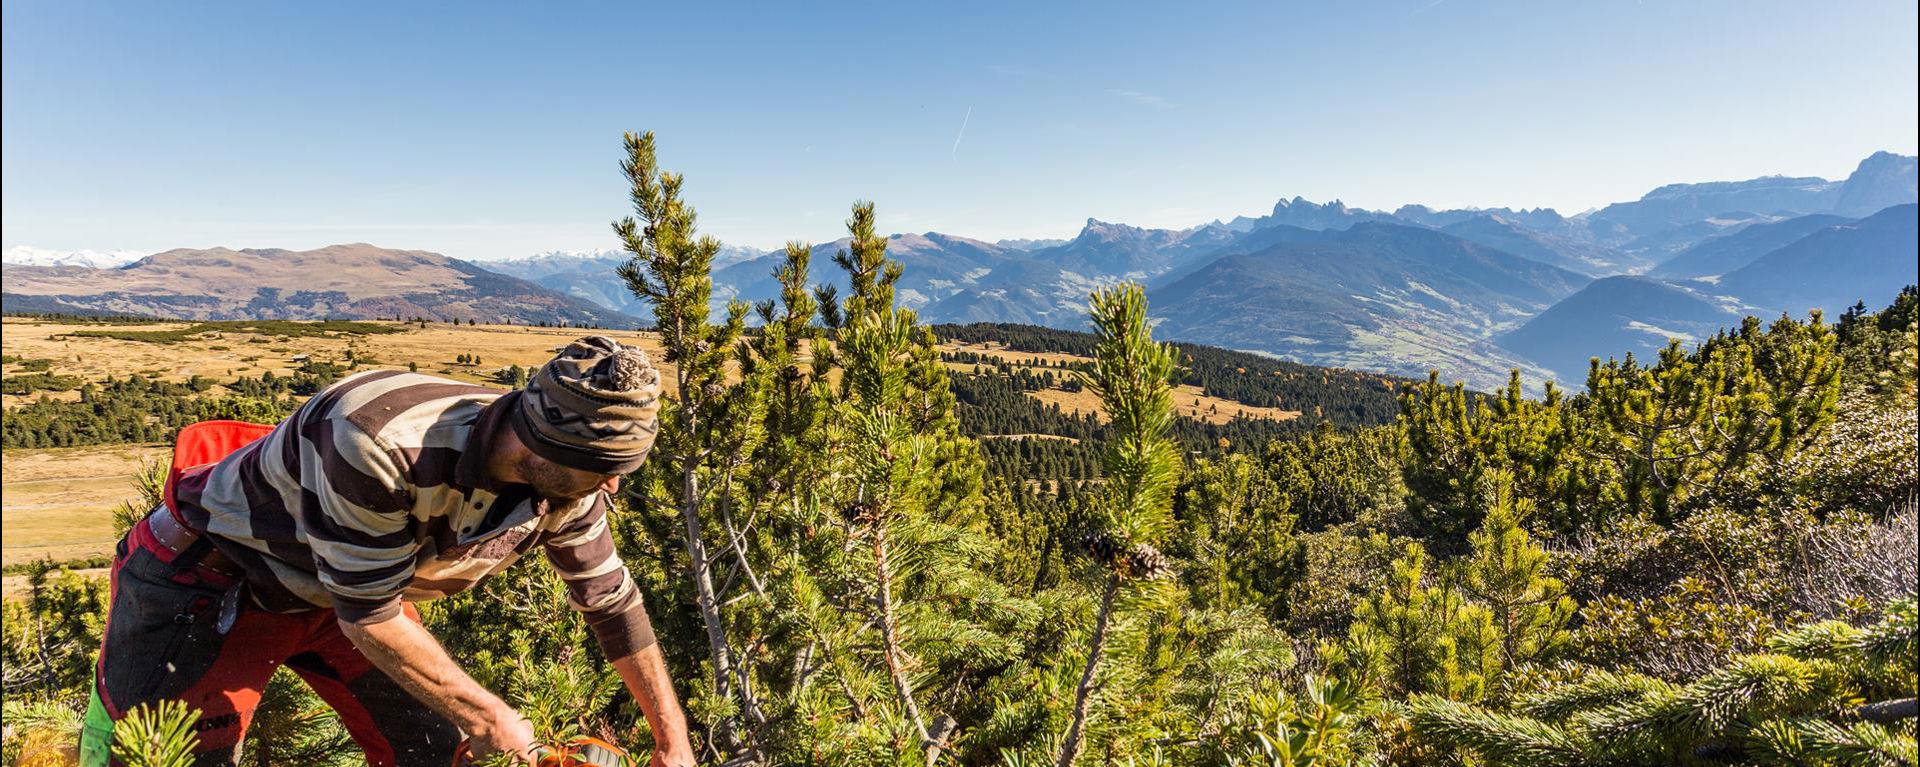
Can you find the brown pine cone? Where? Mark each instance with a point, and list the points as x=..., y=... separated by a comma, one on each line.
x=1101, y=546
x=861, y=512
x=1146, y=562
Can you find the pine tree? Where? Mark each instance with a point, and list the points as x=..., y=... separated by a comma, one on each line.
x=1237, y=531
x=1689, y=421
x=898, y=560
x=1134, y=377
x=292, y=725
x=1395, y=640
x=1505, y=573
x=671, y=269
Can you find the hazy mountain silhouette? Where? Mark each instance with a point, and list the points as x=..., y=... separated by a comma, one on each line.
x=1613, y=317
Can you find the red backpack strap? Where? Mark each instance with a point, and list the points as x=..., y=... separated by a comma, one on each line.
x=204, y=444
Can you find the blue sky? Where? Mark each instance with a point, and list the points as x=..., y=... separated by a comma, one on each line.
x=493, y=130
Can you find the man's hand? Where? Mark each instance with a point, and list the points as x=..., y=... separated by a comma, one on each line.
x=508, y=732
x=673, y=756
x=415, y=660
x=645, y=673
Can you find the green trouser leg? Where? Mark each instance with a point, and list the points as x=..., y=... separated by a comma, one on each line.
x=96, y=734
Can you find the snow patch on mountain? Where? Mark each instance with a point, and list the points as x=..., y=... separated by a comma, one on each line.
x=27, y=255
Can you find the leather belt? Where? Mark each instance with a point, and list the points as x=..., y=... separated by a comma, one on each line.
x=178, y=539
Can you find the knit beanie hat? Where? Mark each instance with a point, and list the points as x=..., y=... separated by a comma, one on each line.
x=594, y=408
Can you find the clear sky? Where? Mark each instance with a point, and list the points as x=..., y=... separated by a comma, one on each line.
x=492, y=130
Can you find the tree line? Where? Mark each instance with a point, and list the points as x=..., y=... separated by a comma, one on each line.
x=139, y=409
x=1345, y=396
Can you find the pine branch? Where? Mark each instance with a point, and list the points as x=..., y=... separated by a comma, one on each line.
x=1817, y=741
x=1599, y=689
x=1895, y=640
x=1500, y=738
x=157, y=736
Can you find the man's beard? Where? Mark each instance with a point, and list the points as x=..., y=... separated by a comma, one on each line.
x=554, y=482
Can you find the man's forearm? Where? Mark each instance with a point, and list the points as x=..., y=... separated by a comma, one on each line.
x=645, y=673
x=410, y=655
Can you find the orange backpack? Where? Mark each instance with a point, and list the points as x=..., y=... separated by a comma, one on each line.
x=203, y=444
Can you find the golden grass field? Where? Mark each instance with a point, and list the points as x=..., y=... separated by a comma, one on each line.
x=1189, y=401
x=230, y=355
x=57, y=502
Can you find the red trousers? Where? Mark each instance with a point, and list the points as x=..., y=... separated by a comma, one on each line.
x=189, y=634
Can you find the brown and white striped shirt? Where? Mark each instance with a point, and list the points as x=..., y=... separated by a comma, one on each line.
x=376, y=491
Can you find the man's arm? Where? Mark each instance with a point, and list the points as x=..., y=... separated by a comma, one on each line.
x=415, y=660
x=599, y=586
x=645, y=673
x=364, y=545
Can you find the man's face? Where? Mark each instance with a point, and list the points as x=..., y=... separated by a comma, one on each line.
x=566, y=485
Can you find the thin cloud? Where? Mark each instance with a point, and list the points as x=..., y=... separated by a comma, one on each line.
x=1140, y=99
x=963, y=132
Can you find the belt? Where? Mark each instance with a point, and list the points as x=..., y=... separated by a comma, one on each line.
x=180, y=540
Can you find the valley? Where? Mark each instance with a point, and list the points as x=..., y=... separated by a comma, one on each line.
x=1473, y=295
x=1403, y=292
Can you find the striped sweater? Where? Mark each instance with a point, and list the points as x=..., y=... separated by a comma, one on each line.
x=376, y=492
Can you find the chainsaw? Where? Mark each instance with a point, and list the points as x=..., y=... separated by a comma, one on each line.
x=579, y=752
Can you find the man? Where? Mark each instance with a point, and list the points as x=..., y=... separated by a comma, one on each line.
x=307, y=546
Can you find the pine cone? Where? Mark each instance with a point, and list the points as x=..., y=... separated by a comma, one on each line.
x=1101, y=546
x=1146, y=563
x=861, y=512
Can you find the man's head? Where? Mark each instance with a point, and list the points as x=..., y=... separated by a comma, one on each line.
x=586, y=418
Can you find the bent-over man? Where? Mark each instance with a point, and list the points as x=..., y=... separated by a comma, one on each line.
x=306, y=548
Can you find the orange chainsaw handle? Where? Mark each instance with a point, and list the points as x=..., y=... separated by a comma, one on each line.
x=579, y=752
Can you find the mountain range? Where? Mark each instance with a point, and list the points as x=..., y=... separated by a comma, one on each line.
x=1472, y=293
x=1614, y=317
x=340, y=281
x=1365, y=295
x=21, y=255
x=1832, y=264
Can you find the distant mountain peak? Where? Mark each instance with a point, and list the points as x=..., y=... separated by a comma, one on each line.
x=26, y=255
x=1773, y=182
x=562, y=255
x=1881, y=181
x=1284, y=205
x=1106, y=230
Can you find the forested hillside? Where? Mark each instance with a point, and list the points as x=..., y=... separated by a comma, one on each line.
x=857, y=549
